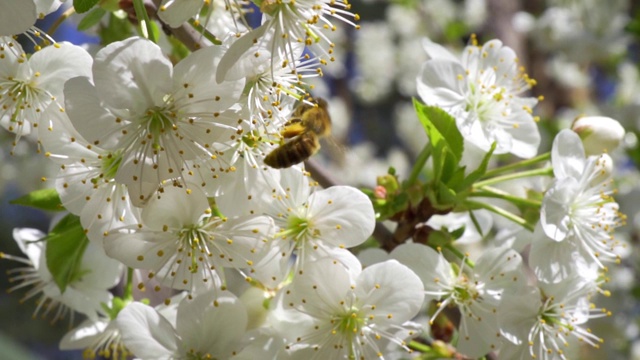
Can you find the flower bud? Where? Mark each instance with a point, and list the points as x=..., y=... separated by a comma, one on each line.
x=598, y=133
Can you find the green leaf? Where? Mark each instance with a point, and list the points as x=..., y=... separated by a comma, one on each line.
x=476, y=174
x=91, y=19
x=83, y=6
x=445, y=139
x=441, y=128
x=45, y=199
x=65, y=247
x=457, y=233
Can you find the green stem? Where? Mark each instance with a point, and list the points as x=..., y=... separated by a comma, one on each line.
x=490, y=192
x=424, y=155
x=145, y=22
x=516, y=165
x=548, y=171
x=206, y=33
x=420, y=346
x=502, y=212
x=460, y=255
x=128, y=287
x=65, y=15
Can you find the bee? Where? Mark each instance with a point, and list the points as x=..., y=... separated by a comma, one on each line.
x=303, y=131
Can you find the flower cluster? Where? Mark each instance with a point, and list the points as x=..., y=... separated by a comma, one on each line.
x=182, y=157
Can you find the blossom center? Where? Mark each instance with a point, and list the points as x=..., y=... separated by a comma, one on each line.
x=158, y=122
x=194, y=240
x=350, y=323
x=301, y=228
x=110, y=164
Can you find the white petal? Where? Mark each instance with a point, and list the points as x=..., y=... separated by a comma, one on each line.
x=438, y=83
x=550, y=260
x=141, y=250
x=16, y=17
x=27, y=240
x=237, y=50
x=518, y=314
x=394, y=290
x=312, y=293
x=175, y=208
x=146, y=333
x=198, y=71
x=263, y=343
x=179, y=11
x=556, y=206
x=437, y=51
x=54, y=67
x=85, y=300
x=428, y=264
x=88, y=115
x=567, y=155
x=46, y=7
x=478, y=334
x=132, y=74
x=525, y=137
x=243, y=239
x=343, y=215
x=83, y=336
x=100, y=271
x=501, y=270
x=210, y=325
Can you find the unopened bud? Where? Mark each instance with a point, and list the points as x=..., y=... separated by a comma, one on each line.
x=380, y=192
x=599, y=134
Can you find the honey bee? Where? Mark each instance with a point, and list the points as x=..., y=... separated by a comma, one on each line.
x=307, y=125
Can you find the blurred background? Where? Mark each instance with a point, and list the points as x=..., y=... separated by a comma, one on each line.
x=584, y=55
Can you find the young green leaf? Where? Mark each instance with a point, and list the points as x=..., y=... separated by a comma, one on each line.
x=45, y=199
x=65, y=247
x=440, y=127
x=82, y=6
x=476, y=174
x=446, y=141
x=91, y=19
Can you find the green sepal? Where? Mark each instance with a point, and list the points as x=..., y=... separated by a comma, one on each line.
x=439, y=238
x=457, y=233
x=446, y=198
x=91, y=19
x=44, y=199
x=82, y=6
x=66, y=244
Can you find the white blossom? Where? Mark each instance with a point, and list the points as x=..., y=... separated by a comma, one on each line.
x=477, y=292
x=288, y=24
x=185, y=245
x=158, y=117
x=29, y=85
x=578, y=213
x=206, y=326
x=350, y=314
x=482, y=91
x=538, y=322
x=85, y=293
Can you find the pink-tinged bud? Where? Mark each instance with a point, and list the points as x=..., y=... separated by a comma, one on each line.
x=599, y=134
x=380, y=192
